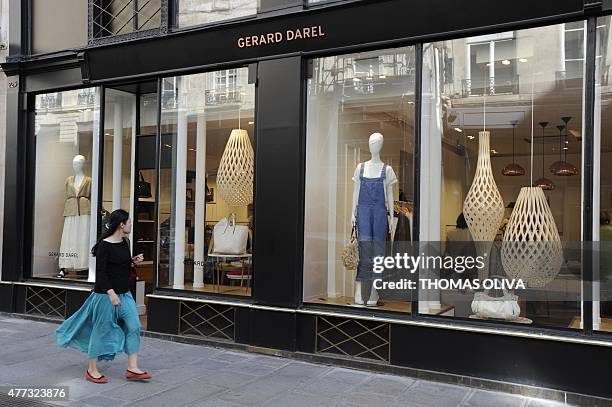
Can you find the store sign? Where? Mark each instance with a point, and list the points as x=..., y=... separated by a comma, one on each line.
x=278, y=37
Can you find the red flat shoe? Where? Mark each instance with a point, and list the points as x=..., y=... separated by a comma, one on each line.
x=99, y=380
x=136, y=376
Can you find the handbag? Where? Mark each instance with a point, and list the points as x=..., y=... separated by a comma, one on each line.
x=504, y=307
x=143, y=188
x=230, y=239
x=350, y=253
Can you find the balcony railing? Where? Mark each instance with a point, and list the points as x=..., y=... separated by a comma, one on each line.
x=224, y=96
x=490, y=86
x=110, y=20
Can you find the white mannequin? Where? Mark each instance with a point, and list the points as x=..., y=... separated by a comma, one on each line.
x=74, y=225
x=372, y=169
x=78, y=164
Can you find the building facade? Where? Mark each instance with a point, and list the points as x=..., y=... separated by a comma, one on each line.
x=236, y=131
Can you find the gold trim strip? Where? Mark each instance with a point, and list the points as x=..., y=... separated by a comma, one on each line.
x=51, y=285
x=463, y=328
x=206, y=301
x=266, y=308
x=221, y=302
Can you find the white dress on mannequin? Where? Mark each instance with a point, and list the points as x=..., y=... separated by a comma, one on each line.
x=74, y=246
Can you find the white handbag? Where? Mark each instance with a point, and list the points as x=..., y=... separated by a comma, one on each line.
x=230, y=239
x=504, y=307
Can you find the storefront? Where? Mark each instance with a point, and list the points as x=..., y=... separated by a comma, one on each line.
x=239, y=148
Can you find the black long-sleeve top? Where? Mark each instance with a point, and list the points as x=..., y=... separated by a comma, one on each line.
x=113, y=261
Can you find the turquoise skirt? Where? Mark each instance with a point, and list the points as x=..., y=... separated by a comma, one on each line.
x=101, y=329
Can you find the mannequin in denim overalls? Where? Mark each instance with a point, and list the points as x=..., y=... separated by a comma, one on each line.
x=372, y=195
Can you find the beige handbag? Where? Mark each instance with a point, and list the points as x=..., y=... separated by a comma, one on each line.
x=350, y=253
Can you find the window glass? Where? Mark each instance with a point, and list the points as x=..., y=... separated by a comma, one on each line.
x=65, y=190
x=206, y=182
x=501, y=113
x=602, y=278
x=360, y=114
x=197, y=12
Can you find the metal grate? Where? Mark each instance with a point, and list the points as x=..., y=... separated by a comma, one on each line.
x=112, y=18
x=46, y=301
x=354, y=338
x=209, y=320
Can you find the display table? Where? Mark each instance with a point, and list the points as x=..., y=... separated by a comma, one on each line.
x=222, y=268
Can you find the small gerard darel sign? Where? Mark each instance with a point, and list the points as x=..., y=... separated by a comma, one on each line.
x=277, y=37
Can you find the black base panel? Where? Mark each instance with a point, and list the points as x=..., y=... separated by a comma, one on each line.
x=163, y=316
x=578, y=368
x=270, y=329
x=74, y=301
x=6, y=297
x=19, y=301
x=306, y=333
x=242, y=325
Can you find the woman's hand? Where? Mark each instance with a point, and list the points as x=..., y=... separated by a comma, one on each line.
x=138, y=259
x=114, y=298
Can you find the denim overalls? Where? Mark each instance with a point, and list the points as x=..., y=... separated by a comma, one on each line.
x=371, y=219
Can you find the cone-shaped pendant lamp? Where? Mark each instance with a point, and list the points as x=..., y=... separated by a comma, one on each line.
x=513, y=169
x=554, y=167
x=564, y=168
x=544, y=182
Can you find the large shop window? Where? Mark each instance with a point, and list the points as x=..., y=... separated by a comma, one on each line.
x=65, y=191
x=206, y=182
x=502, y=158
x=602, y=285
x=198, y=12
x=359, y=153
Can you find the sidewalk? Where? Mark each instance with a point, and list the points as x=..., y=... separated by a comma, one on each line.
x=190, y=375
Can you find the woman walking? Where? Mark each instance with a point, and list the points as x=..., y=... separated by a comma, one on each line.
x=108, y=323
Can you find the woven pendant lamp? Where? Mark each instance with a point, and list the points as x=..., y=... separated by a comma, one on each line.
x=235, y=174
x=531, y=246
x=483, y=207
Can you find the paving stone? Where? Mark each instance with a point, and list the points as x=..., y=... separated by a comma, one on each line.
x=365, y=399
x=214, y=402
x=101, y=401
x=259, y=390
x=232, y=357
x=250, y=368
x=430, y=394
x=299, y=400
x=480, y=398
x=386, y=385
x=179, y=396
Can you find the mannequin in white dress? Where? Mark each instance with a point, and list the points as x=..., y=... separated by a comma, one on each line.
x=372, y=214
x=74, y=247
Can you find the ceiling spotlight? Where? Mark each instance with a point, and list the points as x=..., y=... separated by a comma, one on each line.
x=506, y=62
x=251, y=122
x=382, y=76
x=523, y=59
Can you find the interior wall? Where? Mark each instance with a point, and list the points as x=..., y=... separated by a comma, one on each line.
x=322, y=124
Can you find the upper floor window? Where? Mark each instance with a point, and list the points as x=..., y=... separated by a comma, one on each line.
x=198, y=12
x=117, y=17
